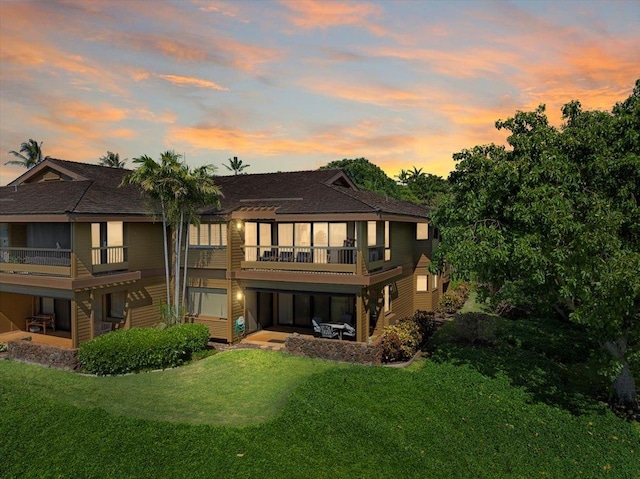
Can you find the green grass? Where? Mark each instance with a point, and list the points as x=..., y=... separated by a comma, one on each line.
x=228, y=389
x=301, y=418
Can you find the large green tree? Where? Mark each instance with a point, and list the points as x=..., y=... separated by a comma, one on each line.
x=178, y=192
x=552, y=223
x=367, y=176
x=30, y=154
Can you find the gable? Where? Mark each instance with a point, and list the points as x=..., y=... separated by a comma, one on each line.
x=48, y=174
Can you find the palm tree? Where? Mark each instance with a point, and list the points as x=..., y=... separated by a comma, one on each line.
x=236, y=165
x=403, y=177
x=29, y=156
x=112, y=160
x=180, y=192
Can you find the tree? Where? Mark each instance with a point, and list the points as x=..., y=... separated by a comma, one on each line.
x=553, y=224
x=112, y=160
x=180, y=192
x=236, y=166
x=367, y=176
x=30, y=154
x=427, y=189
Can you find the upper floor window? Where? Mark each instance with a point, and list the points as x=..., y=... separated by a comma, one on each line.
x=422, y=284
x=208, y=234
x=422, y=231
x=387, y=242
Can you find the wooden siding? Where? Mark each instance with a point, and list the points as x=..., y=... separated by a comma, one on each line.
x=210, y=258
x=146, y=246
x=401, y=237
x=81, y=245
x=402, y=297
x=81, y=318
x=143, y=301
x=235, y=242
x=218, y=328
x=14, y=309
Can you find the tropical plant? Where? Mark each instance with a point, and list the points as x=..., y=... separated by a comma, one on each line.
x=30, y=154
x=553, y=224
x=112, y=160
x=367, y=176
x=236, y=166
x=180, y=192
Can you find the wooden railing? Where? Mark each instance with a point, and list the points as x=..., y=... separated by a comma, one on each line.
x=43, y=261
x=301, y=254
x=109, y=254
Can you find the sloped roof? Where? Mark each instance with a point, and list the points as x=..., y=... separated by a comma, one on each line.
x=94, y=189
x=306, y=192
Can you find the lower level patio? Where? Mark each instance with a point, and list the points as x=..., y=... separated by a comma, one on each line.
x=59, y=339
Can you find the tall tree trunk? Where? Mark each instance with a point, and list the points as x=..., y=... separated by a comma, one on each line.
x=625, y=384
x=178, y=248
x=186, y=260
x=166, y=254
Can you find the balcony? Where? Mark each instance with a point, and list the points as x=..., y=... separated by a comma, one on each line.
x=36, y=261
x=107, y=259
x=301, y=258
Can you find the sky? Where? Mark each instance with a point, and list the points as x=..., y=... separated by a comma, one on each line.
x=294, y=85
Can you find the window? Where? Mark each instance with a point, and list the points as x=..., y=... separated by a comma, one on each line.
x=208, y=234
x=387, y=242
x=422, y=231
x=208, y=302
x=115, y=304
x=422, y=283
x=387, y=299
x=372, y=233
x=435, y=281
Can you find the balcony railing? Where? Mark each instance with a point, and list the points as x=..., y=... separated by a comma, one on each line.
x=109, y=254
x=107, y=259
x=302, y=254
x=41, y=261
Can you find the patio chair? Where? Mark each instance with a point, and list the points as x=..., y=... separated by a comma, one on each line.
x=239, y=327
x=349, y=330
x=316, y=324
x=327, y=331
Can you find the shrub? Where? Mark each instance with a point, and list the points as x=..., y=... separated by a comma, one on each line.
x=402, y=340
x=463, y=289
x=3, y=347
x=450, y=302
x=139, y=349
x=472, y=327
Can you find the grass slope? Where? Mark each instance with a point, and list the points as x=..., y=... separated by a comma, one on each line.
x=430, y=420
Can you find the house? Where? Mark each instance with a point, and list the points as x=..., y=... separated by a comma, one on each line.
x=283, y=250
x=79, y=256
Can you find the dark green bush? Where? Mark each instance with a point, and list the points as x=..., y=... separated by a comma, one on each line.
x=473, y=327
x=139, y=349
x=402, y=340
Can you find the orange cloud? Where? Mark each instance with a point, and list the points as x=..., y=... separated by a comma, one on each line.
x=384, y=95
x=192, y=81
x=311, y=14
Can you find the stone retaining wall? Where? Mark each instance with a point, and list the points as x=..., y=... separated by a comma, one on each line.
x=334, y=350
x=50, y=356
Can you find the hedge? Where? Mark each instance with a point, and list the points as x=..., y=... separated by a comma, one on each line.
x=401, y=341
x=139, y=349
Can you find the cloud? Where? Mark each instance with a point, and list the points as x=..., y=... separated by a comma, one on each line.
x=312, y=14
x=192, y=81
x=373, y=94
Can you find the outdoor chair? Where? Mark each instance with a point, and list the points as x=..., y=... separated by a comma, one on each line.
x=316, y=325
x=327, y=331
x=349, y=330
x=239, y=327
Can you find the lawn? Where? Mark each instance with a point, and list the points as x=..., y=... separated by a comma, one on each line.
x=252, y=413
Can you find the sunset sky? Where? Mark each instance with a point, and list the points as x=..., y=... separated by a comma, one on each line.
x=293, y=85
